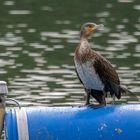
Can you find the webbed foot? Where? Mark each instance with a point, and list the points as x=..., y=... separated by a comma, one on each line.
x=96, y=106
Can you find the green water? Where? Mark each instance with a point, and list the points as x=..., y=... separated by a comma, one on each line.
x=38, y=39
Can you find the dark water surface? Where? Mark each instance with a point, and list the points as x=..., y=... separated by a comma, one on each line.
x=38, y=39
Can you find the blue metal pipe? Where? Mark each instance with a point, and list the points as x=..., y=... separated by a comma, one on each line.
x=117, y=122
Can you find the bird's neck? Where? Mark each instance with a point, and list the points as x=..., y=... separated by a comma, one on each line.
x=84, y=46
x=83, y=38
x=84, y=43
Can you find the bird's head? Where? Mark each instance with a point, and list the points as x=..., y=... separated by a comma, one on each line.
x=88, y=28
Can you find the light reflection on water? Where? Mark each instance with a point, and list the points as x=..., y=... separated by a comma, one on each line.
x=38, y=39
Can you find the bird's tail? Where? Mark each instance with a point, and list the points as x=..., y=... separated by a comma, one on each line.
x=123, y=90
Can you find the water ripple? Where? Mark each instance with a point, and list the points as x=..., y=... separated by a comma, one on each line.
x=20, y=12
x=37, y=51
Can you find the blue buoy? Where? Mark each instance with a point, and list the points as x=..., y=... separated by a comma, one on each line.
x=117, y=122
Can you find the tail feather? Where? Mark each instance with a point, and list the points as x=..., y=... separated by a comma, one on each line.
x=123, y=89
x=117, y=90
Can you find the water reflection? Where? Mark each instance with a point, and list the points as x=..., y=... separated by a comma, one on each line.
x=19, y=12
x=38, y=39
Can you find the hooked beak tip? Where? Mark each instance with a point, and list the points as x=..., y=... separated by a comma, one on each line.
x=99, y=27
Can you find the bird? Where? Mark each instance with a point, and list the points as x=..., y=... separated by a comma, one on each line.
x=94, y=71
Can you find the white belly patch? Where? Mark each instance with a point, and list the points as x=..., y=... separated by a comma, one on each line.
x=88, y=76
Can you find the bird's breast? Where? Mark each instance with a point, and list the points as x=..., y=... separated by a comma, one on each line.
x=88, y=75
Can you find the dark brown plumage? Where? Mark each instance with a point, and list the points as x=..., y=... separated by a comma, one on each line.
x=95, y=72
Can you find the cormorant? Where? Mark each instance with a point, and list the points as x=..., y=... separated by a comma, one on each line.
x=95, y=72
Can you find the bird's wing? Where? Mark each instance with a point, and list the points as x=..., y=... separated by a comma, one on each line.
x=107, y=74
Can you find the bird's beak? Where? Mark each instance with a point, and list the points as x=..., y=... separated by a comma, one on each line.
x=98, y=27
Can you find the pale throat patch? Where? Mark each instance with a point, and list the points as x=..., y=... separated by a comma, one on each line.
x=84, y=46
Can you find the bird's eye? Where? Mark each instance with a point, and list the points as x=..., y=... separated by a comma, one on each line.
x=90, y=26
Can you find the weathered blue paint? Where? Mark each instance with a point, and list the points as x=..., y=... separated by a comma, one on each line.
x=117, y=122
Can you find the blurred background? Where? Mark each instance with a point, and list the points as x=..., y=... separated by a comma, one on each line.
x=38, y=39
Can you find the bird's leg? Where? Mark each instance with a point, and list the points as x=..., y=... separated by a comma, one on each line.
x=104, y=96
x=93, y=105
x=113, y=99
x=87, y=97
x=87, y=103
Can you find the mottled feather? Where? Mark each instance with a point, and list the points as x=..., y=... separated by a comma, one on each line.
x=108, y=75
x=102, y=67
